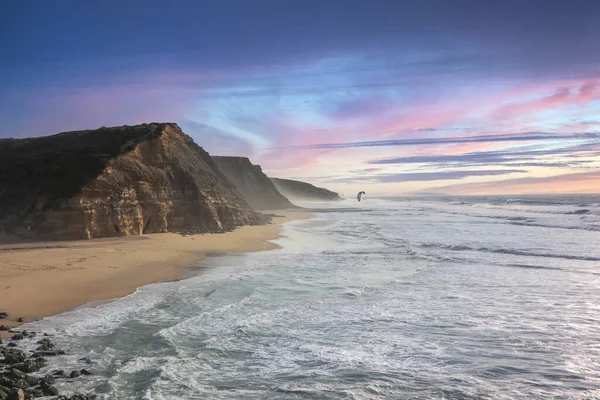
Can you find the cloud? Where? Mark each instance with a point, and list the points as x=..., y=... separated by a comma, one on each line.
x=522, y=137
x=503, y=157
x=565, y=96
x=579, y=182
x=428, y=176
x=214, y=140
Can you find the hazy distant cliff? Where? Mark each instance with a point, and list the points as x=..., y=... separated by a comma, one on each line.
x=297, y=190
x=116, y=181
x=252, y=183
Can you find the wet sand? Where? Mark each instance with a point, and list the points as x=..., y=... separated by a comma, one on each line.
x=46, y=278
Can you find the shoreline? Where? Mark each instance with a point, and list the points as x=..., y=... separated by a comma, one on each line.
x=48, y=278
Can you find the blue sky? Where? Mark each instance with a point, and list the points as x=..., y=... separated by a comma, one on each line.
x=437, y=89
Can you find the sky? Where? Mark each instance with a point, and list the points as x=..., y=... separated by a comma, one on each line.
x=389, y=97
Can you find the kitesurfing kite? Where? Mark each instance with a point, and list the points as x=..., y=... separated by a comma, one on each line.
x=359, y=195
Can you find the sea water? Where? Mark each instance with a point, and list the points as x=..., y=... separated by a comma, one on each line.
x=406, y=298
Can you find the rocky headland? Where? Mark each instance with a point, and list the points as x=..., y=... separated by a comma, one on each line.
x=118, y=181
x=302, y=191
x=252, y=183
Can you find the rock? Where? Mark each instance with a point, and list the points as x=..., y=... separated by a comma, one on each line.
x=52, y=353
x=30, y=365
x=20, y=383
x=4, y=328
x=85, y=372
x=48, y=379
x=33, y=392
x=20, y=319
x=4, y=392
x=45, y=344
x=252, y=183
x=58, y=372
x=18, y=336
x=14, y=356
x=74, y=374
x=19, y=375
x=12, y=344
x=18, y=394
x=3, y=315
x=302, y=191
x=48, y=390
x=6, y=383
x=86, y=360
x=118, y=181
x=78, y=396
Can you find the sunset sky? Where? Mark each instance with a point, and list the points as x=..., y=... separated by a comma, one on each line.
x=390, y=97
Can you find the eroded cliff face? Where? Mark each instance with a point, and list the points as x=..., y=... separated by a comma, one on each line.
x=252, y=183
x=115, y=181
x=297, y=190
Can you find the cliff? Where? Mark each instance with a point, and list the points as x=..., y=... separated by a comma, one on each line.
x=252, y=183
x=116, y=181
x=297, y=190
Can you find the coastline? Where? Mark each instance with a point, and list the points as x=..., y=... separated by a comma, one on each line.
x=47, y=278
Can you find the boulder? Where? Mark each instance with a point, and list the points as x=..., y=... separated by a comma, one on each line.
x=74, y=374
x=48, y=390
x=18, y=394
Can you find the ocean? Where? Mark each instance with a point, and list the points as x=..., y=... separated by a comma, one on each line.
x=403, y=298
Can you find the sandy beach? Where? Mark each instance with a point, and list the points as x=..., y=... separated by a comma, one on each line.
x=46, y=278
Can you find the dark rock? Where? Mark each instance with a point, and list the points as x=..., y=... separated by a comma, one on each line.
x=4, y=391
x=78, y=396
x=6, y=382
x=85, y=372
x=19, y=375
x=3, y=315
x=12, y=344
x=33, y=392
x=20, y=383
x=74, y=374
x=20, y=319
x=51, y=353
x=4, y=328
x=48, y=379
x=18, y=336
x=14, y=356
x=48, y=390
x=45, y=344
x=18, y=394
x=58, y=372
x=32, y=334
x=30, y=365
x=86, y=360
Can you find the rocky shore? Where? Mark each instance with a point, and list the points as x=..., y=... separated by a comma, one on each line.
x=23, y=357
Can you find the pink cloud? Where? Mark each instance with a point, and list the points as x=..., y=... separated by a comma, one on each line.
x=563, y=97
x=581, y=182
